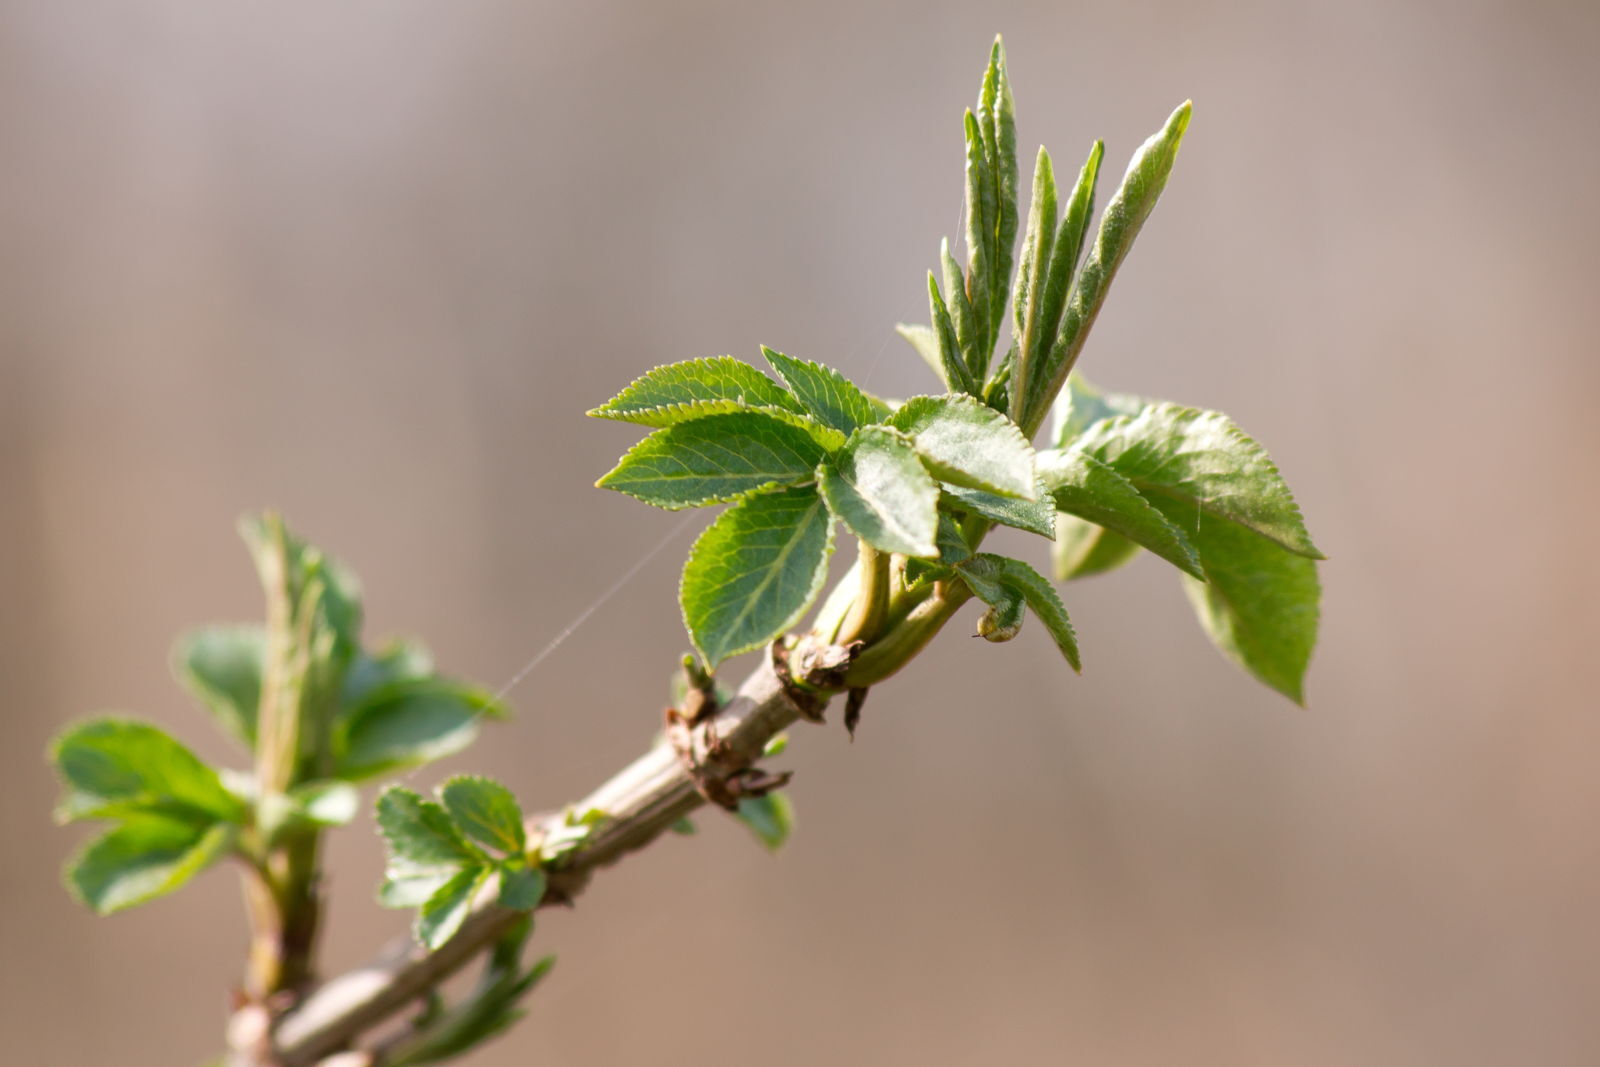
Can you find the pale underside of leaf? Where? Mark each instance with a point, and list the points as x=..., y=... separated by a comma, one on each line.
x=1082, y=485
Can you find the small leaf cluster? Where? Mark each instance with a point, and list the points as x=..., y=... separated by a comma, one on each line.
x=923, y=481
x=319, y=712
x=794, y=460
x=444, y=854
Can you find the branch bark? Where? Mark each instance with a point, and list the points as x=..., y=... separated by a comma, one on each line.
x=640, y=803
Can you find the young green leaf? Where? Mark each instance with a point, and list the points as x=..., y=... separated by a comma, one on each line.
x=754, y=571
x=825, y=393
x=1083, y=549
x=119, y=767
x=442, y=914
x=998, y=580
x=1082, y=485
x=487, y=1011
x=222, y=667
x=952, y=368
x=398, y=661
x=1201, y=459
x=770, y=818
x=692, y=389
x=421, y=833
x=964, y=319
x=1058, y=276
x=715, y=459
x=953, y=547
x=983, y=217
x=326, y=802
x=926, y=342
x=521, y=886
x=967, y=444
x=1259, y=601
x=878, y=488
x=408, y=723
x=1035, y=516
x=1081, y=405
x=1033, y=272
x=145, y=857
x=997, y=125
x=1123, y=218
x=1003, y=620
x=486, y=811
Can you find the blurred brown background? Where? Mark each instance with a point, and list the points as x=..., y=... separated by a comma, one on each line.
x=369, y=262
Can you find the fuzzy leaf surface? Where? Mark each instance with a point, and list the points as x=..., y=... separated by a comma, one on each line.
x=1259, y=603
x=1202, y=460
x=715, y=459
x=119, y=767
x=966, y=443
x=878, y=488
x=144, y=858
x=828, y=395
x=1124, y=216
x=692, y=389
x=754, y=571
x=486, y=811
x=1035, y=516
x=222, y=667
x=998, y=580
x=1082, y=485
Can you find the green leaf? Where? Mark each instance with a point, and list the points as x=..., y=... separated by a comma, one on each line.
x=119, y=767
x=684, y=826
x=967, y=444
x=878, y=488
x=926, y=342
x=715, y=459
x=397, y=661
x=1259, y=601
x=951, y=366
x=325, y=802
x=1083, y=549
x=1124, y=216
x=964, y=319
x=1034, y=272
x=521, y=887
x=307, y=568
x=754, y=571
x=1082, y=485
x=486, y=811
x=982, y=212
x=145, y=857
x=953, y=547
x=996, y=121
x=406, y=885
x=693, y=389
x=487, y=1011
x=1058, y=277
x=998, y=580
x=1202, y=460
x=770, y=818
x=408, y=723
x=1081, y=405
x=1035, y=516
x=421, y=833
x=442, y=914
x=827, y=394
x=222, y=667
